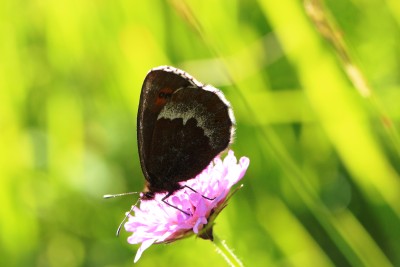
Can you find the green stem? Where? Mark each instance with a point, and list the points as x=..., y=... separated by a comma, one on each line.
x=226, y=252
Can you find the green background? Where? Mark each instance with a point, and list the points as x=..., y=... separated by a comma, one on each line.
x=315, y=91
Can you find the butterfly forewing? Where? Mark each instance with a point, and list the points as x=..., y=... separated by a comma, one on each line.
x=157, y=87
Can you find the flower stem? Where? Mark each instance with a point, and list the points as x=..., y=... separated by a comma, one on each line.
x=226, y=252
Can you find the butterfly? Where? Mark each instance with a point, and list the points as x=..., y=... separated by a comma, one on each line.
x=182, y=125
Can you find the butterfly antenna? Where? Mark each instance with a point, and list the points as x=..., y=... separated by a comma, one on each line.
x=120, y=195
x=127, y=213
x=126, y=217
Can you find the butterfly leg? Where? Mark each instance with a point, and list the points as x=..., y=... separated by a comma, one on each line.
x=175, y=207
x=188, y=187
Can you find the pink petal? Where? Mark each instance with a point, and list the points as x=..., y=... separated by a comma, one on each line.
x=156, y=222
x=145, y=245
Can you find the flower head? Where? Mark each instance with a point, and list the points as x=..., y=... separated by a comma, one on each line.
x=157, y=222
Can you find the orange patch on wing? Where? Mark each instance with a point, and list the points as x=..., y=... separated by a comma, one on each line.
x=163, y=96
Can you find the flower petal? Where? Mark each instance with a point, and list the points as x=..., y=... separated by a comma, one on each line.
x=156, y=222
x=145, y=245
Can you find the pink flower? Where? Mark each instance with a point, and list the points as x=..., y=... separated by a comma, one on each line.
x=156, y=222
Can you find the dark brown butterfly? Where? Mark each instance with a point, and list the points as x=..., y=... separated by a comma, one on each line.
x=182, y=126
